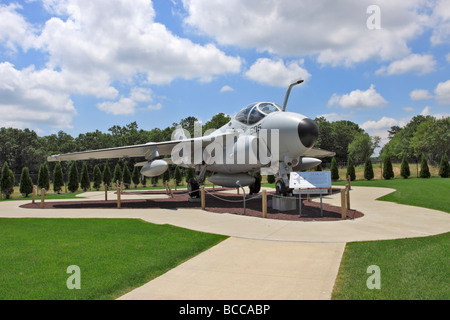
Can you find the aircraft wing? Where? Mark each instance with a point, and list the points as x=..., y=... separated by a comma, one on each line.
x=319, y=153
x=148, y=150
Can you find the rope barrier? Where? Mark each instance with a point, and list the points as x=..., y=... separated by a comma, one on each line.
x=227, y=200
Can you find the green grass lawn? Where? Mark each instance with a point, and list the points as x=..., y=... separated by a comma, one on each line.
x=430, y=193
x=114, y=255
x=410, y=269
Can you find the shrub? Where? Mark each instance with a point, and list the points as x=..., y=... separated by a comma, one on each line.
x=58, y=178
x=126, y=176
x=26, y=184
x=404, y=171
x=334, y=170
x=117, y=174
x=85, y=183
x=44, y=177
x=350, y=169
x=73, y=178
x=97, y=175
x=424, y=170
x=368, y=169
x=388, y=172
x=106, y=174
x=444, y=167
x=7, y=181
x=136, y=176
x=177, y=175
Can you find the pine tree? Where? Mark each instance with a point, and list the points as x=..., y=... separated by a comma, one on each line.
x=166, y=176
x=126, y=175
x=388, y=172
x=189, y=174
x=85, y=182
x=351, y=169
x=136, y=176
x=117, y=174
x=97, y=176
x=424, y=170
x=404, y=170
x=58, y=178
x=44, y=177
x=177, y=175
x=334, y=170
x=106, y=174
x=368, y=169
x=144, y=180
x=73, y=178
x=444, y=167
x=26, y=184
x=6, y=181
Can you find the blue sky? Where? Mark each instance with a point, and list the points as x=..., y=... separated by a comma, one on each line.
x=79, y=65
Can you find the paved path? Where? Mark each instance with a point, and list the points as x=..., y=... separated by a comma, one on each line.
x=264, y=258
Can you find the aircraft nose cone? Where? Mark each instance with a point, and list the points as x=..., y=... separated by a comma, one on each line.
x=308, y=132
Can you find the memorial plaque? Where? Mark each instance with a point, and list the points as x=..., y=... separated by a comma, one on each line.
x=309, y=180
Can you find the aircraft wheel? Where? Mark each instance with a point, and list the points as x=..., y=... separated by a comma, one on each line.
x=280, y=188
x=193, y=188
x=256, y=186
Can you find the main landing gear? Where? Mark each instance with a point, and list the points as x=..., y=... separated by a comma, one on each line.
x=256, y=186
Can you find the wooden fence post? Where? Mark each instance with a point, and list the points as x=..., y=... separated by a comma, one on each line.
x=34, y=195
x=343, y=204
x=118, y=194
x=264, y=203
x=348, y=197
x=42, y=198
x=202, y=195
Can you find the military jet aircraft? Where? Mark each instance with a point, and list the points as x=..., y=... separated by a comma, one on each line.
x=262, y=137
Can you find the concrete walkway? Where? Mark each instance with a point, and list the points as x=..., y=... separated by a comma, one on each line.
x=264, y=258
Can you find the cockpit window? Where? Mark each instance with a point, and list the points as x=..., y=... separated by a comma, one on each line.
x=255, y=112
x=255, y=115
x=242, y=115
x=268, y=108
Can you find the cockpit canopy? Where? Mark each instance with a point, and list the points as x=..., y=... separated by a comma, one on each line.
x=255, y=112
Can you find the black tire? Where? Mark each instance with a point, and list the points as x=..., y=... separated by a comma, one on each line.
x=193, y=188
x=280, y=188
x=256, y=186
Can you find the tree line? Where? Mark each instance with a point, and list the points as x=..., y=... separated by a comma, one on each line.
x=424, y=138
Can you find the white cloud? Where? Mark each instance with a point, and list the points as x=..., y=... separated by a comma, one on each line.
x=426, y=111
x=416, y=63
x=15, y=31
x=380, y=128
x=334, y=116
x=157, y=106
x=90, y=46
x=276, y=73
x=408, y=109
x=420, y=94
x=226, y=89
x=440, y=21
x=32, y=98
x=358, y=99
x=442, y=92
x=121, y=107
x=334, y=31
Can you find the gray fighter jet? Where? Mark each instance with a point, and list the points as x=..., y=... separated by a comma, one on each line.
x=262, y=137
